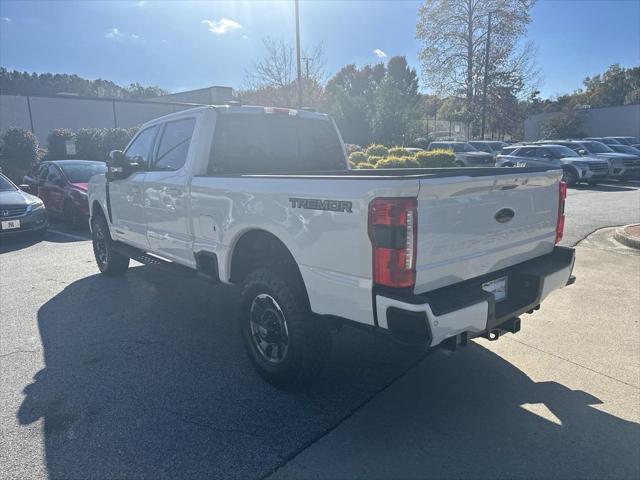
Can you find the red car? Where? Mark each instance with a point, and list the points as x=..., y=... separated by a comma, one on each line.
x=62, y=185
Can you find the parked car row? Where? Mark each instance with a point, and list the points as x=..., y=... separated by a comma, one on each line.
x=57, y=188
x=586, y=160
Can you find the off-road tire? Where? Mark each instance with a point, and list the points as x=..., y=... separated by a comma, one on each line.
x=109, y=262
x=309, y=340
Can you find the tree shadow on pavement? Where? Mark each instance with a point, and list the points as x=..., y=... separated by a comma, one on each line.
x=146, y=377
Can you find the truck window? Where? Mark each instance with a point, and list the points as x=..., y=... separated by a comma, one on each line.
x=174, y=145
x=320, y=147
x=141, y=146
x=266, y=143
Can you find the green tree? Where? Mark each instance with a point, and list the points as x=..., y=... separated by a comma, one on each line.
x=453, y=35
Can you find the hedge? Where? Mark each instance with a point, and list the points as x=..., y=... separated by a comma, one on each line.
x=397, y=162
x=19, y=152
x=364, y=165
x=374, y=159
x=377, y=151
x=56, y=143
x=96, y=143
x=357, y=157
x=436, y=159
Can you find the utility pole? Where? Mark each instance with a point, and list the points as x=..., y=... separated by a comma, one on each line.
x=486, y=77
x=298, y=54
x=306, y=63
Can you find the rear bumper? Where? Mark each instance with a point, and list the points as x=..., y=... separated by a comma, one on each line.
x=464, y=310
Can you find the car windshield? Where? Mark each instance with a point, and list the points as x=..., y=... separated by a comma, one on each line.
x=462, y=147
x=627, y=149
x=6, y=185
x=560, y=151
x=82, y=172
x=596, y=147
x=497, y=145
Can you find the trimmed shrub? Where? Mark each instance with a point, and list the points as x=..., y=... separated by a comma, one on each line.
x=375, y=159
x=19, y=152
x=56, y=143
x=377, y=151
x=364, y=165
x=116, y=139
x=392, y=162
x=352, y=165
x=399, y=152
x=436, y=159
x=88, y=144
x=357, y=157
x=352, y=147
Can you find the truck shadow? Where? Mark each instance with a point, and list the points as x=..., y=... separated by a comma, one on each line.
x=606, y=187
x=146, y=377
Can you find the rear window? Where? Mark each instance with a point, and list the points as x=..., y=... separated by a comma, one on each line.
x=82, y=172
x=271, y=143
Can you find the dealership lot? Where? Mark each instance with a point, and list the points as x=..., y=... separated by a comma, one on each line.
x=144, y=376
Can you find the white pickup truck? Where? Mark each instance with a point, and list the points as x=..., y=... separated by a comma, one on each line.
x=263, y=197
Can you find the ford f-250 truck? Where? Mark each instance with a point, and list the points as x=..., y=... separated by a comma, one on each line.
x=263, y=197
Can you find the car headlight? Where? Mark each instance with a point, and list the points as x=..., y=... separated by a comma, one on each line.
x=37, y=205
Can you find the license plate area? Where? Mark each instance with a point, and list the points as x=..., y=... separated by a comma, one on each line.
x=497, y=287
x=10, y=224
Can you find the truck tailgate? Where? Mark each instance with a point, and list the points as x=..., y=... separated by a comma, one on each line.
x=471, y=226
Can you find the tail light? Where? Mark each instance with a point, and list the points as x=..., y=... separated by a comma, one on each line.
x=561, y=199
x=393, y=231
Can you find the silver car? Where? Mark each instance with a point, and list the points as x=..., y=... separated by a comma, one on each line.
x=575, y=168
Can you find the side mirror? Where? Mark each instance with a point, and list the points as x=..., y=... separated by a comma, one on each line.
x=582, y=152
x=25, y=188
x=116, y=165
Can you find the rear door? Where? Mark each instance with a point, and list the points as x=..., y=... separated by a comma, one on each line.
x=165, y=192
x=464, y=229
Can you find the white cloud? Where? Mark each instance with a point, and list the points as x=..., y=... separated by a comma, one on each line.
x=379, y=53
x=134, y=36
x=245, y=37
x=164, y=40
x=6, y=19
x=113, y=33
x=221, y=26
x=140, y=3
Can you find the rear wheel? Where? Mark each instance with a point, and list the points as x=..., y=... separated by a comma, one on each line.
x=569, y=177
x=287, y=345
x=109, y=262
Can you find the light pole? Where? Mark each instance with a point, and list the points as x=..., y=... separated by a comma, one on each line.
x=486, y=78
x=298, y=54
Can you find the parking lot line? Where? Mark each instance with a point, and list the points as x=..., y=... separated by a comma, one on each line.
x=65, y=234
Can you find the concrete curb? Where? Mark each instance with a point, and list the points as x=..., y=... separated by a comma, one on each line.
x=626, y=238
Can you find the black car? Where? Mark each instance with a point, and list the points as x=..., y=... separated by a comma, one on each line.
x=20, y=212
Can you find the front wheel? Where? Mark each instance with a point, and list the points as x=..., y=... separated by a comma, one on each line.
x=109, y=262
x=287, y=345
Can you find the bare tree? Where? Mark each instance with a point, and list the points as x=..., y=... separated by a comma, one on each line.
x=278, y=67
x=454, y=33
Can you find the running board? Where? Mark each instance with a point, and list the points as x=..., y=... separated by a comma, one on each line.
x=143, y=257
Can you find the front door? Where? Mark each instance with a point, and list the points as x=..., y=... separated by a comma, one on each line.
x=126, y=195
x=166, y=196
x=52, y=190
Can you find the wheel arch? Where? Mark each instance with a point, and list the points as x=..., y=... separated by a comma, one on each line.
x=257, y=247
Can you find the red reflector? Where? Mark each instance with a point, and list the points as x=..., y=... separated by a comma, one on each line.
x=562, y=195
x=393, y=259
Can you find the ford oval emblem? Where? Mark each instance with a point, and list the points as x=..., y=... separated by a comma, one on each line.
x=504, y=215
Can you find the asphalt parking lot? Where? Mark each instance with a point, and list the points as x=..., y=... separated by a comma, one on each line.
x=145, y=377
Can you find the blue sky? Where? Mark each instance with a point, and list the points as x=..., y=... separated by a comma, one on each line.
x=184, y=45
